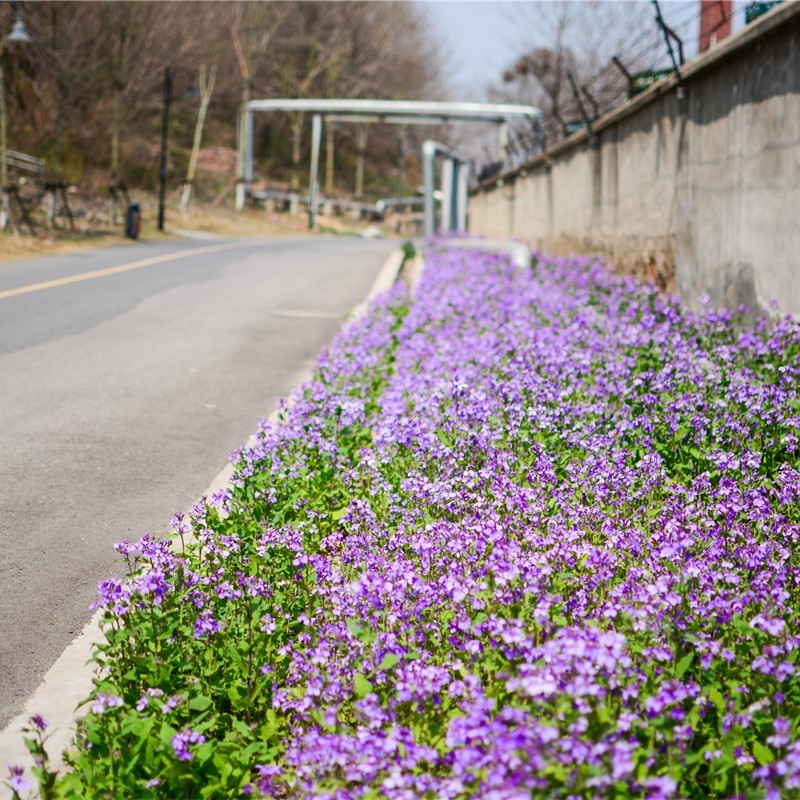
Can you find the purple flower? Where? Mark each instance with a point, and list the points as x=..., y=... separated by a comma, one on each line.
x=221, y=499
x=106, y=702
x=205, y=625
x=660, y=788
x=782, y=735
x=172, y=703
x=181, y=741
x=39, y=722
x=179, y=523
x=17, y=781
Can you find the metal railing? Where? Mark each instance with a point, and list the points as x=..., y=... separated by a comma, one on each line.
x=378, y=209
x=399, y=202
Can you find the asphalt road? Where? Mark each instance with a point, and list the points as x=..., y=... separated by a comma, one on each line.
x=122, y=394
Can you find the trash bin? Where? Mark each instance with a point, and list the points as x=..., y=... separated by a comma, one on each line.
x=133, y=220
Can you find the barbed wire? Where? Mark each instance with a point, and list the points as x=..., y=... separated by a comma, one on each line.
x=645, y=51
x=654, y=52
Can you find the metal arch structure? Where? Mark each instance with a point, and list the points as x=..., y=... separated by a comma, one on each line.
x=399, y=112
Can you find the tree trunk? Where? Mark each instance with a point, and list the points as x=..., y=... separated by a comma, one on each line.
x=55, y=171
x=207, y=79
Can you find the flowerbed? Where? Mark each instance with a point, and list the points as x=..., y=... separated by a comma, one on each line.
x=533, y=535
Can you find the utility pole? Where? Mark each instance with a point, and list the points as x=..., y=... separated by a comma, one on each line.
x=169, y=78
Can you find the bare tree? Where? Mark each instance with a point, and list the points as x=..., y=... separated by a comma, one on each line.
x=312, y=50
x=252, y=30
x=207, y=78
x=577, y=40
x=95, y=74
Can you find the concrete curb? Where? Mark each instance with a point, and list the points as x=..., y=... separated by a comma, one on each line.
x=412, y=273
x=69, y=681
x=519, y=253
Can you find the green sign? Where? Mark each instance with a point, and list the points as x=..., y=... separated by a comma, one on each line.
x=575, y=126
x=755, y=10
x=644, y=80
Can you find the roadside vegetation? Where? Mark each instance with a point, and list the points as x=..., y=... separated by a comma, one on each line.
x=86, y=94
x=534, y=534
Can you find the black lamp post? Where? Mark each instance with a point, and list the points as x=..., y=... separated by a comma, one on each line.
x=169, y=77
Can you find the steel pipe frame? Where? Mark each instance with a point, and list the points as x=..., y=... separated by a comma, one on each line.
x=402, y=112
x=393, y=110
x=313, y=184
x=454, y=186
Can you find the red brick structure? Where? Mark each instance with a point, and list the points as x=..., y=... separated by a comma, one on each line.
x=715, y=22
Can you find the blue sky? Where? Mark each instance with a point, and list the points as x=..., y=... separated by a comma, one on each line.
x=481, y=38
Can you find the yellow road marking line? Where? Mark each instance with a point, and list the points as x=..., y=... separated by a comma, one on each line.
x=102, y=273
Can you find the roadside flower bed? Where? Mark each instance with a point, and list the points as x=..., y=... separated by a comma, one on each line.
x=532, y=535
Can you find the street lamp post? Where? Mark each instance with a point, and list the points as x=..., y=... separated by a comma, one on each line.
x=169, y=78
x=20, y=35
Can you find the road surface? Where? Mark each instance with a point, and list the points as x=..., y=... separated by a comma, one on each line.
x=127, y=375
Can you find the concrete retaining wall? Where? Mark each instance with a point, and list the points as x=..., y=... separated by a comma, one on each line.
x=695, y=186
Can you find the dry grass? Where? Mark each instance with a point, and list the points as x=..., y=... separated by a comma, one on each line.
x=17, y=247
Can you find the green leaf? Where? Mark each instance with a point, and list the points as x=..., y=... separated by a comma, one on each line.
x=682, y=432
x=167, y=732
x=360, y=630
x=389, y=661
x=684, y=664
x=762, y=753
x=715, y=696
x=237, y=694
x=444, y=438
x=200, y=703
x=362, y=685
